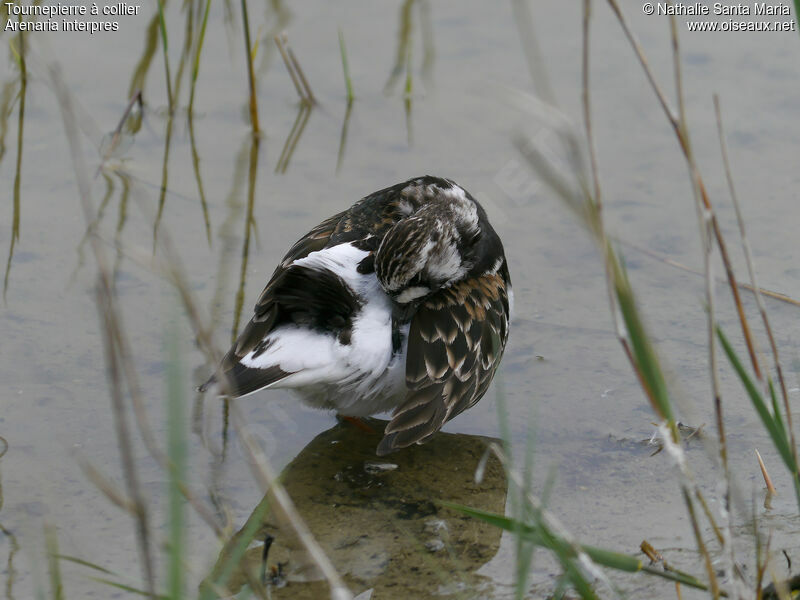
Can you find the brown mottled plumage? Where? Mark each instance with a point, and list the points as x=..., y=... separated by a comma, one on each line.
x=400, y=303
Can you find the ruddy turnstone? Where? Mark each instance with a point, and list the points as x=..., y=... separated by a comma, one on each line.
x=400, y=303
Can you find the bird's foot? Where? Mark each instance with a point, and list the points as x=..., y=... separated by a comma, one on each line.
x=357, y=422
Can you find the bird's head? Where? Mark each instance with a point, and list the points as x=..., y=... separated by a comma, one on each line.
x=424, y=253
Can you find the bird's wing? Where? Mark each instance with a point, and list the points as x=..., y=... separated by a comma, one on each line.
x=455, y=343
x=242, y=380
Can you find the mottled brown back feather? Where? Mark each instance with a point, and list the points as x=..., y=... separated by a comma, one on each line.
x=444, y=378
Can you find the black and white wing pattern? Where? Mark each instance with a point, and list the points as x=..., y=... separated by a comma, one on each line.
x=455, y=344
x=288, y=295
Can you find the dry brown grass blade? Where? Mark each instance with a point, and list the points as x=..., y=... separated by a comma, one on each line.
x=710, y=516
x=752, y=272
x=650, y=552
x=251, y=78
x=765, y=474
x=136, y=99
x=701, y=546
x=594, y=204
x=524, y=22
x=597, y=198
x=700, y=186
x=303, y=115
x=762, y=559
x=261, y=468
x=298, y=69
x=121, y=364
x=109, y=324
x=138, y=506
x=266, y=477
x=547, y=518
x=289, y=68
x=10, y=571
x=706, y=222
x=102, y=483
x=656, y=557
x=112, y=320
x=677, y=265
x=295, y=72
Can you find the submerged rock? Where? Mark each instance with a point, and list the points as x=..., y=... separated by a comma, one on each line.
x=379, y=521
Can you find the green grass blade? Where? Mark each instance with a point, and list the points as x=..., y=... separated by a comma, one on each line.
x=246, y=535
x=797, y=12
x=677, y=576
x=777, y=434
x=251, y=78
x=51, y=542
x=127, y=588
x=345, y=66
x=196, y=63
x=565, y=554
x=643, y=352
x=85, y=563
x=525, y=512
x=796, y=482
x=606, y=558
x=149, y=51
x=163, y=26
x=409, y=89
x=103, y=580
x=776, y=411
x=519, y=508
x=176, y=450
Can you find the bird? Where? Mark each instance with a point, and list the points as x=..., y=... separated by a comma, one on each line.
x=400, y=303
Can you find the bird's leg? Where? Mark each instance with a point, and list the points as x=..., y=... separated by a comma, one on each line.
x=355, y=421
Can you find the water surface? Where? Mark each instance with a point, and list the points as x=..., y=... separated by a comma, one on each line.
x=565, y=379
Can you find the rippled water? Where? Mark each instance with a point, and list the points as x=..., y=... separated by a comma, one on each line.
x=231, y=208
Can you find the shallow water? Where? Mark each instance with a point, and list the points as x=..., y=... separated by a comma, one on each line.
x=564, y=380
x=378, y=520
